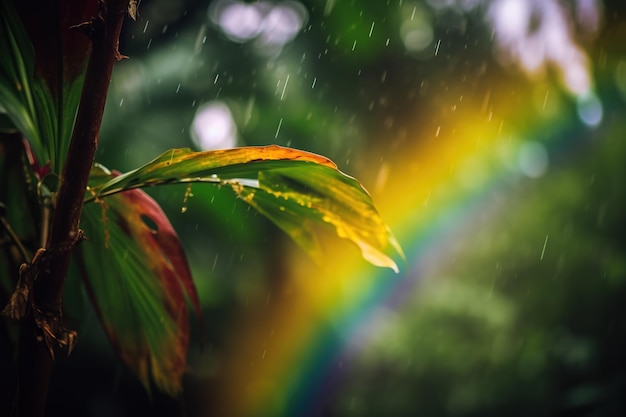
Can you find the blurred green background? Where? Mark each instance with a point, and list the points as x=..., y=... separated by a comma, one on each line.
x=490, y=133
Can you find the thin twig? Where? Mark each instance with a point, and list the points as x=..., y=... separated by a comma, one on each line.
x=15, y=239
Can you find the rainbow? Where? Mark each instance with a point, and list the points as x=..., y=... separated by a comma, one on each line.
x=289, y=352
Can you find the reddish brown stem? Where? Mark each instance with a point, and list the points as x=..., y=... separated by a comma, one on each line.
x=35, y=361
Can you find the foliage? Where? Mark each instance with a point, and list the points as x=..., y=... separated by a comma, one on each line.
x=507, y=329
x=132, y=264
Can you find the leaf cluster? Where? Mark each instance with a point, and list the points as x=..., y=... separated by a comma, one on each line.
x=132, y=264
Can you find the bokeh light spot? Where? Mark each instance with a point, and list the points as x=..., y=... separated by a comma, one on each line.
x=532, y=159
x=213, y=127
x=240, y=22
x=590, y=109
x=268, y=25
x=417, y=38
x=536, y=35
x=282, y=23
x=416, y=30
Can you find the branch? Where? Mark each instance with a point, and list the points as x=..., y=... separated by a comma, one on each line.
x=36, y=355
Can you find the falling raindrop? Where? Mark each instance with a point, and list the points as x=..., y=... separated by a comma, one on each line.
x=215, y=261
x=543, y=250
x=282, y=95
x=280, y=123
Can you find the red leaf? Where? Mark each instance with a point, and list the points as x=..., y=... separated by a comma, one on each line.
x=138, y=278
x=163, y=240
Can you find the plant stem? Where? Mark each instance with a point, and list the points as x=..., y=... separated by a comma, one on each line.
x=34, y=358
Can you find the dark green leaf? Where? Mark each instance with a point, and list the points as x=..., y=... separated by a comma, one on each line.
x=16, y=75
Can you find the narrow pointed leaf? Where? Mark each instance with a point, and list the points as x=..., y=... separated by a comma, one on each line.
x=41, y=71
x=294, y=189
x=61, y=52
x=19, y=212
x=138, y=278
x=184, y=165
x=16, y=75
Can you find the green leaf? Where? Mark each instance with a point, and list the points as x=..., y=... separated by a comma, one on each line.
x=294, y=189
x=19, y=211
x=296, y=198
x=16, y=76
x=18, y=189
x=138, y=278
x=40, y=84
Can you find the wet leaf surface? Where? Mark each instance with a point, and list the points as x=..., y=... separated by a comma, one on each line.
x=293, y=188
x=138, y=277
